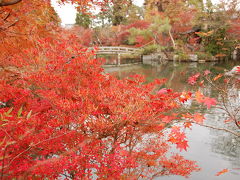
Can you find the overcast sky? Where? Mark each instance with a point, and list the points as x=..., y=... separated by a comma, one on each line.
x=67, y=12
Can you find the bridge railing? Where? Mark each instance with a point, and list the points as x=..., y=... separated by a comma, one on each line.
x=115, y=49
x=101, y=50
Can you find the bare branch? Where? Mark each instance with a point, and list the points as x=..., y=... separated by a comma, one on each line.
x=8, y=3
x=222, y=129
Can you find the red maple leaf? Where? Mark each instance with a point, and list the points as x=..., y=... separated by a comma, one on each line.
x=185, y=96
x=206, y=72
x=187, y=125
x=221, y=172
x=183, y=145
x=168, y=119
x=200, y=98
x=209, y=102
x=193, y=79
x=238, y=70
x=217, y=77
x=162, y=91
x=199, y=118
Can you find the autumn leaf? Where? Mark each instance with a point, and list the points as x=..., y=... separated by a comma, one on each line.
x=206, y=72
x=209, y=102
x=193, y=79
x=217, y=77
x=221, y=172
x=201, y=83
x=179, y=138
x=183, y=145
x=228, y=120
x=162, y=91
x=238, y=70
x=187, y=116
x=220, y=55
x=209, y=33
x=225, y=49
x=185, y=96
x=206, y=34
x=151, y=163
x=168, y=119
x=198, y=118
x=187, y=125
x=226, y=81
x=199, y=97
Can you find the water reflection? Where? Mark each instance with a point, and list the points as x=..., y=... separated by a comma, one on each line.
x=214, y=150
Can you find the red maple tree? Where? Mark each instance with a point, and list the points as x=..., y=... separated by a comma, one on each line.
x=62, y=116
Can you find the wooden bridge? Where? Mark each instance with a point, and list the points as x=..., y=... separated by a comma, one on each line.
x=116, y=50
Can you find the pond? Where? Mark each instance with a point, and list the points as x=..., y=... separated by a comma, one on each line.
x=214, y=150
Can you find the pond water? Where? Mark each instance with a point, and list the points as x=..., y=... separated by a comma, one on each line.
x=213, y=150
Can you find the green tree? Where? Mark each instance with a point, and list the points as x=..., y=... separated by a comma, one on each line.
x=117, y=13
x=120, y=11
x=83, y=20
x=215, y=22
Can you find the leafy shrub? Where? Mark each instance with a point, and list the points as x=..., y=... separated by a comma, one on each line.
x=204, y=55
x=181, y=55
x=153, y=48
x=65, y=117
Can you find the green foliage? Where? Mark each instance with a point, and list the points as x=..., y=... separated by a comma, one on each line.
x=196, y=3
x=216, y=43
x=160, y=25
x=151, y=49
x=130, y=56
x=204, y=55
x=118, y=13
x=181, y=55
x=83, y=20
x=122, y=11
x=215, y=23
x=135, y=13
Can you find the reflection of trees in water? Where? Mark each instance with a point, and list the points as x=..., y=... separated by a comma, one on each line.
x=228, y=146
x=230, y=100
x=224, y=143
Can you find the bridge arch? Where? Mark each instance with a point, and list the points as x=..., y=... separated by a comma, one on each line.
x=118, y=50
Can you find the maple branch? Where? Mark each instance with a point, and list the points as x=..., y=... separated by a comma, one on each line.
x=12, y=24
x=5, y=18
x=8, y=3
x=222, y=129
x=227, y=108
x=4, y=154
x=34, y=145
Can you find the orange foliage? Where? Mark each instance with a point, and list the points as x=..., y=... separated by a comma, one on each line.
x=222, y=172
x=22, y=23
x=64, y=115
x=61, y=115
